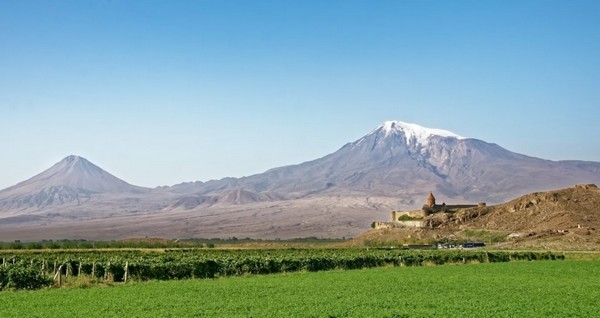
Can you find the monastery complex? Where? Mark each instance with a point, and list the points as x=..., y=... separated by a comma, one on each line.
x=416, y=218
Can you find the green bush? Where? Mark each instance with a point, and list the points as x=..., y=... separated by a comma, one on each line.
x=23, y=277
x=3, y=277
x=409, y=218
x=35, y=246
x=16, y=245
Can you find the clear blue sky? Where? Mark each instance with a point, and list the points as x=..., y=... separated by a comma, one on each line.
x=161, y=92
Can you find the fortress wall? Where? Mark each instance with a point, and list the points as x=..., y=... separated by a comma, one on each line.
x=461, y=206
x=383, y=225
x=413, y=214
x=411, y=223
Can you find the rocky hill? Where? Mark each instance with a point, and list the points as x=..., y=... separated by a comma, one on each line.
x=561, y=219
x=567, y=209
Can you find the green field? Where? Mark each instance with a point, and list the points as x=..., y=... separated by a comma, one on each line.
x=569, y=288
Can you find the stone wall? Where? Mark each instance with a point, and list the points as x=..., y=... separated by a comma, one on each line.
x=383, y=225
x=411, y=223
x=413, y=214
x=391, y=225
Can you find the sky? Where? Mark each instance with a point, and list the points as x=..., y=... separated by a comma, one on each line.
x=164, y=92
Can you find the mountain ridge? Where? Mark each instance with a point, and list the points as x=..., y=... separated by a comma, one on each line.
x=391, y=168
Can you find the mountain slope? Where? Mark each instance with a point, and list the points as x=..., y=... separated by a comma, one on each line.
x=228, y=197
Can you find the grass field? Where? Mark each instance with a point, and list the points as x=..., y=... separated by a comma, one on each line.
x=569, y=288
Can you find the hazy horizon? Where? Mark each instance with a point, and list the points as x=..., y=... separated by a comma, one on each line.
x=159, y=92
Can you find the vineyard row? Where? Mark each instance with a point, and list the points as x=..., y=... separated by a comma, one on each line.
x=36, y=270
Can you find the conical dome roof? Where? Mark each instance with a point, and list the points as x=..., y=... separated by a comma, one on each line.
x=431, y=200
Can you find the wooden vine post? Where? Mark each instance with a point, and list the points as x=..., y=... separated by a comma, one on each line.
x=58, y=276
x=107, y=273
x=126, y=272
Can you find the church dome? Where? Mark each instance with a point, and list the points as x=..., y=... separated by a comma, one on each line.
x=430, y=200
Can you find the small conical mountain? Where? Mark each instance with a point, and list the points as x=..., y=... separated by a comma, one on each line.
x=73, y=179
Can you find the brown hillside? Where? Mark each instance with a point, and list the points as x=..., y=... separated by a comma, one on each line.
x=562, y=219
x=576, y=208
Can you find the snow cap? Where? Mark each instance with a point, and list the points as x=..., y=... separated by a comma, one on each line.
x=419, y=133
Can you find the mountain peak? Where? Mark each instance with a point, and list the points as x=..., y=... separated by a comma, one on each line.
x=412, y=132
x=72, y=158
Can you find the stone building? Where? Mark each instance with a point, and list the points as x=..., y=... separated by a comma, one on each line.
x=415, y=218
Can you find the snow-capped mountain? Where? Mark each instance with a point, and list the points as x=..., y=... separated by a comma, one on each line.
x=407, y=161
